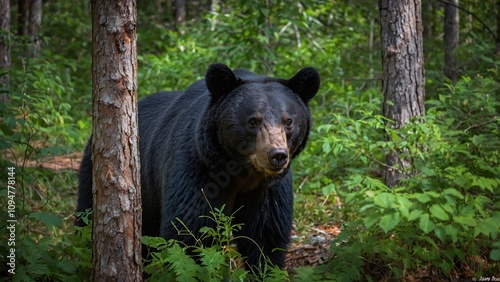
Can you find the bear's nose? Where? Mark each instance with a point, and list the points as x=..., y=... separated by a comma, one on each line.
x=278, y=156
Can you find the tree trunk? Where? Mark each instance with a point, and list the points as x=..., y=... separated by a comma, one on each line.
x=22, y=17
x=451, y=39
x=34, y=24
x=115, y=155
x=4, y=44
x=29, y=24
x=402, y=74
x=428, y=18
x=180, y=13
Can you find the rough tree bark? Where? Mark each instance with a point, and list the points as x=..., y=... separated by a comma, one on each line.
x=4, y=44
x=29, y=23
x=115, y=156
x=34, y=25
x=402, y=75
x=180, y=14
x=451, y=39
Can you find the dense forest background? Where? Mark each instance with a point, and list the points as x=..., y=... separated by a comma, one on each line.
x=441, y=224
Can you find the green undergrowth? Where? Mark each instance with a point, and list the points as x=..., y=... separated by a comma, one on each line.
x=218, y=262
x=446, y=215
x=443, y=220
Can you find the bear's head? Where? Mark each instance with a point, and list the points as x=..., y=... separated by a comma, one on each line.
x=261, y=122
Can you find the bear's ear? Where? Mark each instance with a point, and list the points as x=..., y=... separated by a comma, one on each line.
x=220, y=80
x=305, y=83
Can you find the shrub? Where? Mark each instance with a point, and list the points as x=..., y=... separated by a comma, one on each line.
x=219, y=262
x=447, y=215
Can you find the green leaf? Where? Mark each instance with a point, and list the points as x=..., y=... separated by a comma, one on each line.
x=155, y=242
x=374, y=183
x=213, y=260
x=469, y=221
x=429, y=240
x=184, y=266
x=453, y=192
x=440, y=232
x=433, y=194
x=423, y=198
x=389, y=221
x=369, y=221
x=364, y=159
x=328, y=189
x=483, y=182
x=426, y=224
x=404, y=206
x=350, y=197
x=495, y=254
x=452, y=232
x=366, y=207
x=438, y=212
x=384, y=200
x=326, y=147
x=337, y=149
x=448, y=207
x=414, y=214
x=488, y=227
x=48, y=219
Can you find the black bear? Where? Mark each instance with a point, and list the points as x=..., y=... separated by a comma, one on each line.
x=228, y=139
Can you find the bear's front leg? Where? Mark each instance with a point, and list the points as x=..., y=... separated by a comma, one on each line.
x=267, y=224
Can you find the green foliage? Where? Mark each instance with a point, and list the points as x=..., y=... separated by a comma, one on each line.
x=46, y=253
x=447, y=212
x=217, y=262
x=35, y=123
x=36, y=112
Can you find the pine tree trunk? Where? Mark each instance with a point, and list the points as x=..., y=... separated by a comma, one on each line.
x=34, y=26
x=22, y=17
x=180, y=14
x=5, y=44
x=428, y=18
x=403, y=74
x=451, y=39
x=29, y=23
x=115, y=156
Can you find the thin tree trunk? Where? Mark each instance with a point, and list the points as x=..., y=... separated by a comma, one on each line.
x=23, y=15
x=29, y=23
x=180, y=14
x=451, y=39
x=428, y=18
x=115, y=155
x=34, y=25
x=4, y=44
x=403, y=74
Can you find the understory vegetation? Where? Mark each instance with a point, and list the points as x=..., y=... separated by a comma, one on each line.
x=443, y=222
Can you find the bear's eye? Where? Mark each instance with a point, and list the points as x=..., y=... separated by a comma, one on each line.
x=288, y=123
x=253, y=122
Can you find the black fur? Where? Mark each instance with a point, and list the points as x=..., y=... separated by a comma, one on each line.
x=194, y=145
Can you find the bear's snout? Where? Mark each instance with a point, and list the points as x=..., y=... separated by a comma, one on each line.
x=278, y=157
x=271, y=154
